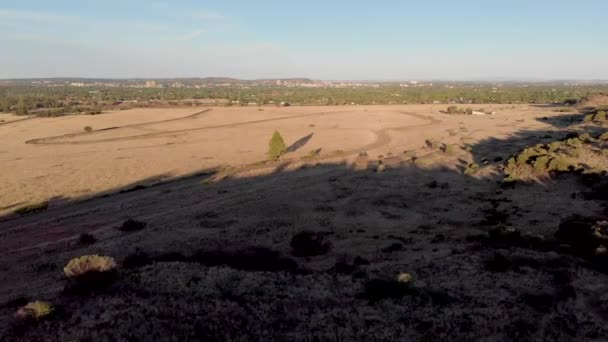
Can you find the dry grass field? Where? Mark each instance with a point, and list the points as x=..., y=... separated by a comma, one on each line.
x=56, y=159
x=399, y=227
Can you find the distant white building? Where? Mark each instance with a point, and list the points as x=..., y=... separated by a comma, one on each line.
x=151, y=84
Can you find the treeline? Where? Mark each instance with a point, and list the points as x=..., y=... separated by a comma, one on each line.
x=62, y=100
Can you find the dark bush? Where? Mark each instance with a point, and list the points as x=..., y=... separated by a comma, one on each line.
x=131, y=225
x=309, y=243
x=137, y=259
x=256, y=258
x=86, y=239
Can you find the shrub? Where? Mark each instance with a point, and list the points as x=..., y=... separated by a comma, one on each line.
x=89, y=264
x=309, y=243
x=276, y=146
x=131, y=225
x=558, y=164
x=32, y=208
x=378, y=289
x=35, y=310
x=314, y=153
x=554, y=146
x=88, y=129
x=86, y=239
x=471, y=169
x=541, y=163
x=449, y=149
x=432, y=144
x=604, y=136
x=405, y=278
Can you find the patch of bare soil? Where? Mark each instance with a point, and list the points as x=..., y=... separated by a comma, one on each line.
x=593, y=101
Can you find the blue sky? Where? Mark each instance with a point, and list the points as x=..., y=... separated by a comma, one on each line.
x=396, y=40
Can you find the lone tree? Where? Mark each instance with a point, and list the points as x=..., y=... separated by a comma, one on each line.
x=21, y=108
x=276, y=146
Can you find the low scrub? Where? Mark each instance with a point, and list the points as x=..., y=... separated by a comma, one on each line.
x=309, y=243
x=89, y=264
x=582, y=154
x=598, y=116
x=131, y=225
x=37, y=310
x=471, y=169
x=86, y=239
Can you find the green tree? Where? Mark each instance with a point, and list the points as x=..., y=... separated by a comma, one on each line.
x=276, y=146
x=21, y=107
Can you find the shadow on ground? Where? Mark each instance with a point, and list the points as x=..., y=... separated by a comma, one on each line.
x=314, y=254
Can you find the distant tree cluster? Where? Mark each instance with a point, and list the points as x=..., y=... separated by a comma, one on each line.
x=57, y=100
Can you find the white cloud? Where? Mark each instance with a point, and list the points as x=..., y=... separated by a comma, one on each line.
x=190, y=36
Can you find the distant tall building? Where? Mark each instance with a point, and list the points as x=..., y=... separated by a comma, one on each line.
x=151, y=84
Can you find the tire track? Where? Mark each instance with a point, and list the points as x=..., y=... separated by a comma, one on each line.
x=49, y=140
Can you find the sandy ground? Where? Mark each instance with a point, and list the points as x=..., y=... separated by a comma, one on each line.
x=53, y=158
x=216, y=260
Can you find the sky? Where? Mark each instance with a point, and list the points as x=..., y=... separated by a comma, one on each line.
x=329, y=39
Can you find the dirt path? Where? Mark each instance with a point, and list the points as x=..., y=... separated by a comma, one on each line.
x=49, y=140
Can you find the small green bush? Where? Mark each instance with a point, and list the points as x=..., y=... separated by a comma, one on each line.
x=541, y=163
x=35, y=310
x=449, y=149
x=471, y=169
x=573, y=142
x=558, y=164
x=554, y=146
x=88, y=129
x=86, y=264
x=314, y=153
x=276, y=146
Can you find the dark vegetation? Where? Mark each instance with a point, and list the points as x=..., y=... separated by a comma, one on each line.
x=582, y=154
x=49, y=101
x=132, y=225
x=309, y=243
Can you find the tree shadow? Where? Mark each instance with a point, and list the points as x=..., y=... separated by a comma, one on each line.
x=563, y=121
x=300, y=143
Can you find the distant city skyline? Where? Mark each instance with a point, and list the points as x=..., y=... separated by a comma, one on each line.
x=338, y=40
